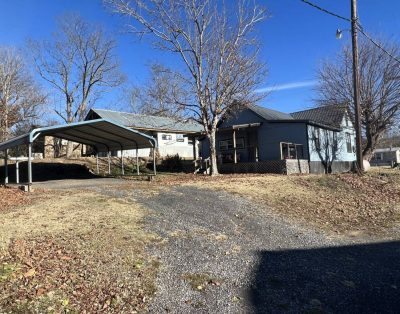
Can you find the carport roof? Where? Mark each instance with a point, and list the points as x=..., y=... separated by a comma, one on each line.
x=102, y=134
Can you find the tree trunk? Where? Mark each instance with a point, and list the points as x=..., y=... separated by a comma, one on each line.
x=371, y=142
x=213, y=152
x=69, y=150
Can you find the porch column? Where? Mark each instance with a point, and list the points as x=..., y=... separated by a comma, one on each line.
x=234, y=147
x=17, y=171
x=195, y=148
x=6, y=167
x=17, y=167
x=109, y=162
x=29, y=166
x=137, y=162
x=122, y=162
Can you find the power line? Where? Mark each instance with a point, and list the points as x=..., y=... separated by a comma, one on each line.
x=326, y=11
x=359, y=27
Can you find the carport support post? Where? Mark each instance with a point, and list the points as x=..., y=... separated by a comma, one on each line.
x=109, y=162
x=154, y=160
x=97, y=162
x=6, y=167
x=29, y=166
x=137, y=162
x=122, y=162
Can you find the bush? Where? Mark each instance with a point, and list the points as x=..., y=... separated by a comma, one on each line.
x=172, y=163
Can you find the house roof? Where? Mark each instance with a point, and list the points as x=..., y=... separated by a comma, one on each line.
x=331, y=115
x=146, y=122
x=269, y=114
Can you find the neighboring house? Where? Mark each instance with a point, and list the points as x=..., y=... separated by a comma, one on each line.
x=386, y=156
x=173, y=136
x=263, y=140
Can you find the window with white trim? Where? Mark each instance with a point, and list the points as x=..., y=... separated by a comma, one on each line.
x=166, y=137
x=179, y=138
x=292, y=151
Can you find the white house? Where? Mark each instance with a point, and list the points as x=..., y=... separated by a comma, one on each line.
x=173, y=136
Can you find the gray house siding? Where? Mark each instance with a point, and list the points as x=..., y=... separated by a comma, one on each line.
x=262, y=131
x=244, y=117
x=270, y=136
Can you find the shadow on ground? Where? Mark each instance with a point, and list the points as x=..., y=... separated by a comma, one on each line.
x=345, y=279
x=45, y=171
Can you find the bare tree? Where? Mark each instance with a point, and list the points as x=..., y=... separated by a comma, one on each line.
x=159, y=95
x=379, y=88
x=218, y=49
x=21, y=98
x=327, y=145
x=79, y=64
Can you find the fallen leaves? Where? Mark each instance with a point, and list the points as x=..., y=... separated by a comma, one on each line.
x=67, y=274
x=30, y=273
x=12, y=197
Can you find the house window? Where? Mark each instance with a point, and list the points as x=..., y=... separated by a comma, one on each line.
x=179, y=138
x=228, y=144
x=166, y=137
x=190, y=140
x=292, y=151
x=348, y=143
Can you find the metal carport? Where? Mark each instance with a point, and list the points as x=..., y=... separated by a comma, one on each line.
x=103, y=135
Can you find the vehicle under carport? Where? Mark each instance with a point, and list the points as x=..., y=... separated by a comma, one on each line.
x=102, y=135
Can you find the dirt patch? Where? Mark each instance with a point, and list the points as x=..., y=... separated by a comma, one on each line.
x=345, y=203
x=76, y=252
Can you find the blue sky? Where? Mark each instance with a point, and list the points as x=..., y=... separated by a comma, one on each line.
x=295, y=38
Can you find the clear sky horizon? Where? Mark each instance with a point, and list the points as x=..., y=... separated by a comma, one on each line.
x=295, y=39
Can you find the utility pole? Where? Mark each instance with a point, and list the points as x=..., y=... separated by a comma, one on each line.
x=356, y=84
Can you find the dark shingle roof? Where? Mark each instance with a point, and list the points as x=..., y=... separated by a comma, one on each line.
x=269, y=114
x=145, y=122
x=331, y=115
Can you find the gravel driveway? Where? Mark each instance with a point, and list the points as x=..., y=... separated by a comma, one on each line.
x=222, y=253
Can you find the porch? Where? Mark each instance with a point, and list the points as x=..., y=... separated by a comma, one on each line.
x=238, y=144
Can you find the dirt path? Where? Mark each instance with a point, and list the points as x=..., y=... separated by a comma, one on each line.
x=222, y=254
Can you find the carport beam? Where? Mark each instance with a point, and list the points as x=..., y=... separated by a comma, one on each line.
x=6, y=167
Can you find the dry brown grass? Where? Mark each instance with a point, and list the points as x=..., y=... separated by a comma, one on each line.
x=344, y=204
x=75, y=252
